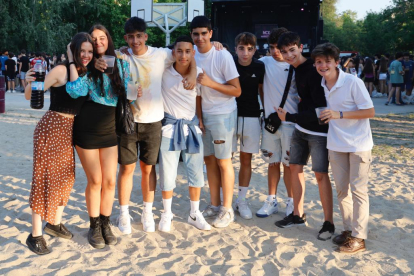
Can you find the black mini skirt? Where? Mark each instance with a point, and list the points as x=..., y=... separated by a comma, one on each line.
x=94, y=126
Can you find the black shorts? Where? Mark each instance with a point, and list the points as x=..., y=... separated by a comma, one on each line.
x=369, y=79
x=11, y=76
x=146, y=139
x=397, y=85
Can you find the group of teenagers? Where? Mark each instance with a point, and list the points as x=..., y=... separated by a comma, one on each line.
x=198, y=102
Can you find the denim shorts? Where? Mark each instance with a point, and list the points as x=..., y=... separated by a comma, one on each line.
x=304, y=145
x=219, y=127
x=277, y=144
x=168, y=165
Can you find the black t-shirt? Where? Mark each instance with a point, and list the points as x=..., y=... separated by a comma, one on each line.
x=25, y=63
x=250, y=78
x=312, y=95
x=11, y=66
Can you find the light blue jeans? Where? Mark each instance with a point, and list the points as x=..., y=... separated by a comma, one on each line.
x=168, y=165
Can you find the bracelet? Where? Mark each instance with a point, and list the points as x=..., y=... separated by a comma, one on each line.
x=72, y=62
x=341, y=115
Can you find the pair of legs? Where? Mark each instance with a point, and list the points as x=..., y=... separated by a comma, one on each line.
x=37, y=221
x=11, y=84
x=383, y=86
x=273, y=178
x=304, y=145
x=100, y=167
x=220, y=173
x=397, y=90
x=370, y=87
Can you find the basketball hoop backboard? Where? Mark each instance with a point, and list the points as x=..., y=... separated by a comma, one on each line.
x=195, y=8
x=142, y=9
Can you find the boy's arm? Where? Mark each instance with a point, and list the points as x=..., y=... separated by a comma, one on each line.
x=261, y=93
x=199, y=112
x=231, y=87
x=20, y=67
x=190, y=80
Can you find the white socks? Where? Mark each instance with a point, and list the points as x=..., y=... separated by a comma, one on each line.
x=167, y=205
x=124, y=209
x=242, y=193
x=195, y=206
x=148, y=207
x=271, y=198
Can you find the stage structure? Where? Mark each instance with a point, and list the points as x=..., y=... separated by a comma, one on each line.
x=231, y=17
x=166, y=15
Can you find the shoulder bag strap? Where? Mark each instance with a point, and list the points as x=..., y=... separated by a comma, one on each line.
x=287, y=87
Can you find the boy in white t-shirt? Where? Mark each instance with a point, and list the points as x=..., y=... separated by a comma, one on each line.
x=219, y=113
x=276, y=147
x=181, y=135
x=147, y=65
x=349, y=144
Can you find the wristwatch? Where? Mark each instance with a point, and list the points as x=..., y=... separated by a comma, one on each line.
x=341, y=115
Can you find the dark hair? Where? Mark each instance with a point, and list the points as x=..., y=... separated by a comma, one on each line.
x=245, y=38
x=4, y=50
x=406, y=54
x=23, y=52
x=368, y=67
x=38, y=54
x=378, y=55
x=183, y=38
x=135, y=24
x=327, y=50
x=288, y=39
x=116, y=82
x=75, y=47
x=200, y=22
x=398, y=55
x=11, y=54
x=275, y=34
x=383, y=64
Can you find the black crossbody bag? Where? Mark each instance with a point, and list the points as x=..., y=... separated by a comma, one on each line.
x=124, y=117
x=273, y=122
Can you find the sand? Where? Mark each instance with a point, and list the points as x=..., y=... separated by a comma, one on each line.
x=246, y=247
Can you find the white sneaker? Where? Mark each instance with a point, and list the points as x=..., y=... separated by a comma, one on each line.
x=289, y=206
x=124, y=223
x=197, y=219
x=210, y=211
x=224, y=217
x=13, y=91
x=8, y=91
x=147, y=220
x=242, y=207
x=165, y=222
x=268, y=208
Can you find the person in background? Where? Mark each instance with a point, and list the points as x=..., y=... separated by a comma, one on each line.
x=369, y=73
x=24, y=67
x=10, y=66
x=396, y=72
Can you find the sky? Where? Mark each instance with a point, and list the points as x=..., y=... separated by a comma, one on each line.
x=362, y=6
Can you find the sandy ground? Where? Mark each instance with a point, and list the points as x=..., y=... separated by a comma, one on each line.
x=246, y=247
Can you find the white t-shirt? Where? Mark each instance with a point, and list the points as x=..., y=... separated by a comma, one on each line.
x=178, y=102
x=348, y=135
x=274, y=86
x=147, y=69
x=220, y=67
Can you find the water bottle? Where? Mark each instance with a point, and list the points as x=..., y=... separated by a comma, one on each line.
x=38, y=93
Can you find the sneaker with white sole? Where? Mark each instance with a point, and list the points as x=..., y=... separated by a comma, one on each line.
x=268, y=208
x=197, y=219
x=124, y=223
x=292, y=221
x=242, y=207
x=210, y=211
x=165, y=222
x=289, y=206
x=147, y=220
x=224, y=217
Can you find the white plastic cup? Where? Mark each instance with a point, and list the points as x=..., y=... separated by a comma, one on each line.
x=110, y=62
x=132, y=91
x=318, y=112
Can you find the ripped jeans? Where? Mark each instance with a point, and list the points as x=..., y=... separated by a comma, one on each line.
x=275, y=147
x=219, y=132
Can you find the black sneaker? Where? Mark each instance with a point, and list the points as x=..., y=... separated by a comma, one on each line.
x=37, y=245
x=327, y=231
x=291, y=221
x=95, y=237
x=107, y=234
x=58, y=231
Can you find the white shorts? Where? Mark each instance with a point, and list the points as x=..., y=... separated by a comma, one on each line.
x=277, y=145
x=382, y=76
x=248, y=133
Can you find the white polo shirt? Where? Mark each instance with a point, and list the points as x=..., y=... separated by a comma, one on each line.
x=220, y=67
x=178, y=102
x=274, y=84
x=348, y=135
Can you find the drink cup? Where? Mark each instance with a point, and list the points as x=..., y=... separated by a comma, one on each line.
x=318, y=112
x=132, y=91
x=110, y=61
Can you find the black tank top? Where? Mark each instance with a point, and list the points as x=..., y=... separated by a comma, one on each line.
x=60, y=101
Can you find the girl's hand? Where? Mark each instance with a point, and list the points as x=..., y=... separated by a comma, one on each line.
x=139, y=91
x=30, y=76
x=69, y=52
